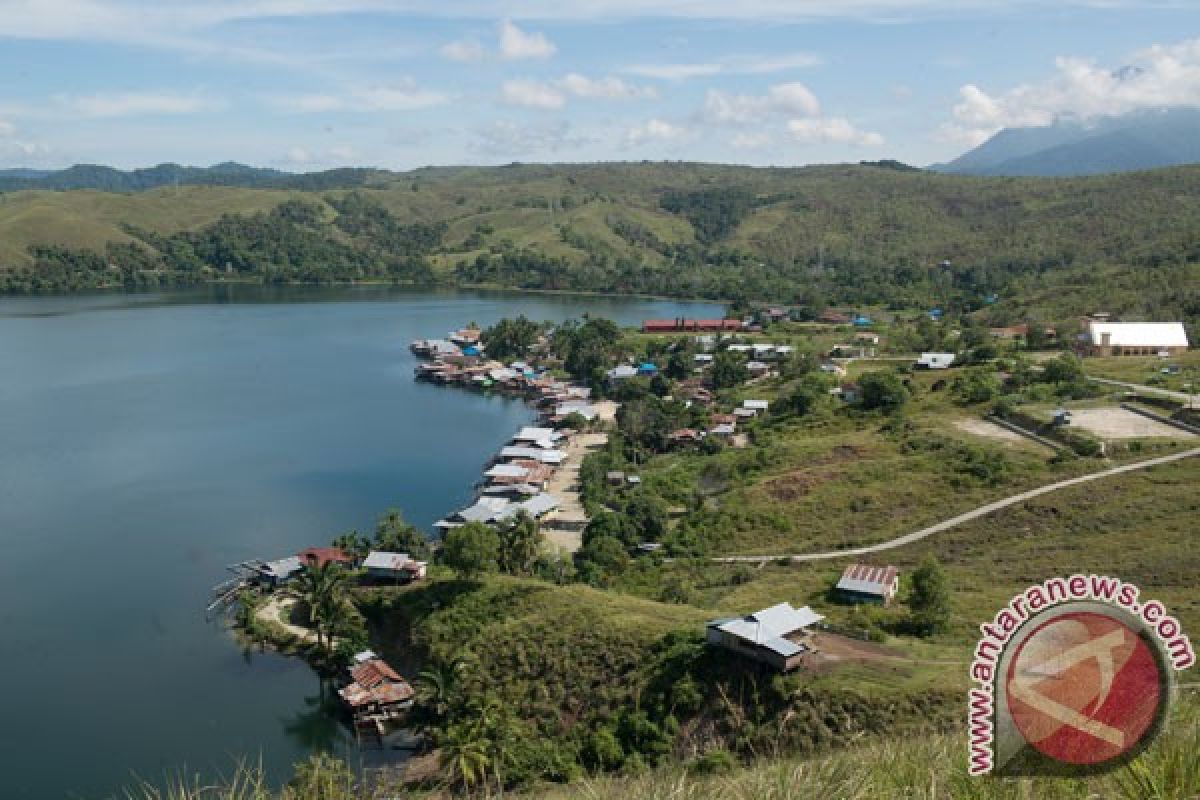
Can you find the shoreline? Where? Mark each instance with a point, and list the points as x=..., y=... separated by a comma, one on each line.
x=376, y=284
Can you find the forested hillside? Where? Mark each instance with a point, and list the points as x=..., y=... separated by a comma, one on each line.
x=859, y=235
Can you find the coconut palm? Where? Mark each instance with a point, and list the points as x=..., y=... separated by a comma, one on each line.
x=464, y=753
x=319, y=588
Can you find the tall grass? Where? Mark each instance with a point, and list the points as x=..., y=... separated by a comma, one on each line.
x=930, y=768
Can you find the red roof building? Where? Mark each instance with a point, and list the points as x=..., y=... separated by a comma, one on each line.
x=374, y=684
x=682, y=324
x=864, y=583
x=320, y=556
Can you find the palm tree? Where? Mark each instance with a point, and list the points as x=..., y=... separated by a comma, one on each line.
x=319, y=588
x=464, y=753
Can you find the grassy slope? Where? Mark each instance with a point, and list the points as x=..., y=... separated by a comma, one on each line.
x=924, y=768
x=873, y=212
x=89, y=219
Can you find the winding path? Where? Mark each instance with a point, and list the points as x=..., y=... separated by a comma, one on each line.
x=1143, y=388
x=976, y=513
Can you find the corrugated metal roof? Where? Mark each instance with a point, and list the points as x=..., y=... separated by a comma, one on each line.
x=783, y=647
x=379, y=559
x=868, y=579
x=772, y=623
x=531, y=434
x=283, y=567
x=1139, y=334
x=506, y=471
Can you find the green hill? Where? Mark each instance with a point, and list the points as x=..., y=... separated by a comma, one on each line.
x=866, y=234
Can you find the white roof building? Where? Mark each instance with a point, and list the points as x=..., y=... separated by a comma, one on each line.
x=765, y=632
x=530, y=434
x=755, y=405
x=935, y=360
x=540, y=454
x=506, y=471
x=622, y=372
x=1163, y=335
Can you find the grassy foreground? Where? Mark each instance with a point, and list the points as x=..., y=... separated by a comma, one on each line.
x=926, y=768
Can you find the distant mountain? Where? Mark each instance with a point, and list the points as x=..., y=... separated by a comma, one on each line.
x=108, y=179
x=1135, y=141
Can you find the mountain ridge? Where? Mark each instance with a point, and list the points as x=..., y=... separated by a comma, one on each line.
x=1076, y=147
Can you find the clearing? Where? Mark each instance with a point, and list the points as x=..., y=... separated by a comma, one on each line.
x=1118, y=423
x=989, y=430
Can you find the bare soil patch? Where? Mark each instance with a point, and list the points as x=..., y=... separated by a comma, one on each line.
x=1117, y=423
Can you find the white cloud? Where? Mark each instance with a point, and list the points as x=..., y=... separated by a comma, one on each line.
x=463, y=50
x=1159, y=76
x=128, y=104
x=655, y=130
x=675, y=72
x=517, y=44
x=784, y=99
x=605, y=88
x=755, y=140
x=298, y=155
x=554, y=94
x=833, y=130
x=508, y=140
x=13, y=147
x=729, y=65
x=404, y=95
x=531, y=94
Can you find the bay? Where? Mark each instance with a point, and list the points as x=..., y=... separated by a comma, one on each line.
x=148, y=440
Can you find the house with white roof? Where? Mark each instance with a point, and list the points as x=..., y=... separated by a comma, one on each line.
x=778, y=636
x=935, y=361
x=1135, y=338
x=393, y=566
x=541, y=454
x=537, y=435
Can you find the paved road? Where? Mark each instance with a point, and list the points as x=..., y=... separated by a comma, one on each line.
x=981, y=511
x=1151, y=389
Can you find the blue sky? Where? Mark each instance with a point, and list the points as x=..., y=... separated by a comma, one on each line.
x=311, y=84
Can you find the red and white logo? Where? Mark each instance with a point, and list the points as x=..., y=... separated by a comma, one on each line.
x=1084, y=688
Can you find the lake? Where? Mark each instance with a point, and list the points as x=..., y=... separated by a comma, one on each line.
x=149, y=440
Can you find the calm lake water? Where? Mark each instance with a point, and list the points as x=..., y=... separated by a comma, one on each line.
x=146, y=441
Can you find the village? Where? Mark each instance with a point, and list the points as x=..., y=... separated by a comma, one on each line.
x=536, y=475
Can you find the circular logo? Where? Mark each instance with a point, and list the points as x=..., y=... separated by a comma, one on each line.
x=1086, y=689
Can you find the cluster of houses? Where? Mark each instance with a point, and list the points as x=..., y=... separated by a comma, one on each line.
x=379, y=565
x=723, y=426
x=782, y=636
x=515, y=481
x=517, y=478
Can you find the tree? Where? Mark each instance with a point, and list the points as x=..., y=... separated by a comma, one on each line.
x=511, y=338
x=882, y=390
x=520, y=542
x=354, y=543
x=471, y=550
x=601, y=559
x=930, y=597
x=320, y=588
x=975, y=386
x=645, y=518
x=1067, y=368
x=728, y=370
x=396, y=535
x=464, y=753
